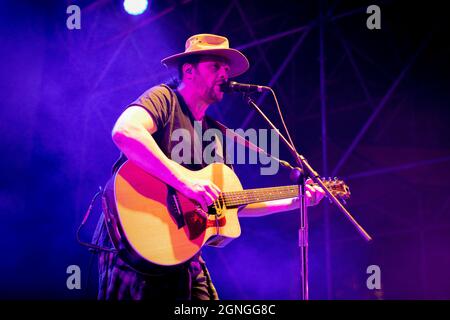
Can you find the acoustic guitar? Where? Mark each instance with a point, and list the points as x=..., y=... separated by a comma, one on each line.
x=152, y=224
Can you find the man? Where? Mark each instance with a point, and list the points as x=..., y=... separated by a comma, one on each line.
x=142, y=133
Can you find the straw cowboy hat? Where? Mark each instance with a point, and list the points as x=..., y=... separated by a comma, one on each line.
x=211, y=44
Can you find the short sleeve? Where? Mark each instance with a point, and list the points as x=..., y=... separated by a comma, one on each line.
x=158, y=101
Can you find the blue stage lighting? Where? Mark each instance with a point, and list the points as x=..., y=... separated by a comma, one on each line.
x=135, y=7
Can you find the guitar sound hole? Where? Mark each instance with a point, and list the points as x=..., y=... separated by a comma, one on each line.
x=212, y=210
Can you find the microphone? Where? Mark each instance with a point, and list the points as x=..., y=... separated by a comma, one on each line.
x=232, y=86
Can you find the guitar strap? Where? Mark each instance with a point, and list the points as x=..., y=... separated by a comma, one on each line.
x=93, y=244
x=227, y=132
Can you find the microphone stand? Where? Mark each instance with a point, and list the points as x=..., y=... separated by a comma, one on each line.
x=299, y=175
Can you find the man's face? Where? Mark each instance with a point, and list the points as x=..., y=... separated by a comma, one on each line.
x=208, y=75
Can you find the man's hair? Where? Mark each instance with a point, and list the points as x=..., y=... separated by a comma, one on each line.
x=174, y=82
x=192, y=59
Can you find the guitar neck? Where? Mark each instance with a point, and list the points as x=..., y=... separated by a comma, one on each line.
x=239, y=198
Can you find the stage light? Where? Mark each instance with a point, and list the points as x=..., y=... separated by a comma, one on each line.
x=135, y=7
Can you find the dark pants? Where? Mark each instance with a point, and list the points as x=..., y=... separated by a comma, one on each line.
x=117, y=281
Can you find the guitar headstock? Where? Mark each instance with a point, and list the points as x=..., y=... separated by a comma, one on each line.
x=338, y=188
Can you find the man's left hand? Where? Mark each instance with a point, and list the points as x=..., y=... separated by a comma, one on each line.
x=314, y=193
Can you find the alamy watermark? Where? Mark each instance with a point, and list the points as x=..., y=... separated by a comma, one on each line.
x=74, y=279
x=73, y=21
x=188, y=149
x=374, y=280
x=374, y=20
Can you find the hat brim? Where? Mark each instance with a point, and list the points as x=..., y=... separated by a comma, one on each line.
x=238, y=63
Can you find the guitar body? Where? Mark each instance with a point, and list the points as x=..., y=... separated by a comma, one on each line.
x=151, y=224
x=155, y=228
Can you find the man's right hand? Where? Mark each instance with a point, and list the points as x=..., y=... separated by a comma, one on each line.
x=204, y=192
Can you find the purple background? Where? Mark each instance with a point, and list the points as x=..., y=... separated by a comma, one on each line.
x=369, y=106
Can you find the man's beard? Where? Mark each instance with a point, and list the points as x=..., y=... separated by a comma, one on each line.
x=213, y=95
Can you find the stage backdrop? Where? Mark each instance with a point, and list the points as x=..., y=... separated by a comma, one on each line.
x=370, y=106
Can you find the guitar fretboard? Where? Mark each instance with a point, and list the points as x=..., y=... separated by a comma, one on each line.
x=239, y=198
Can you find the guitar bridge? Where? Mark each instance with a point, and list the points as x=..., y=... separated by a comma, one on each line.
x=217, y=208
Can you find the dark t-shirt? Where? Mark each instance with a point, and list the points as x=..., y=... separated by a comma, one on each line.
x=178, y=131
x=170, y=112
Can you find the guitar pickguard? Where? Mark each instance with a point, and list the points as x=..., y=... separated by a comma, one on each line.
x=196, y=223
x=193, y=216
